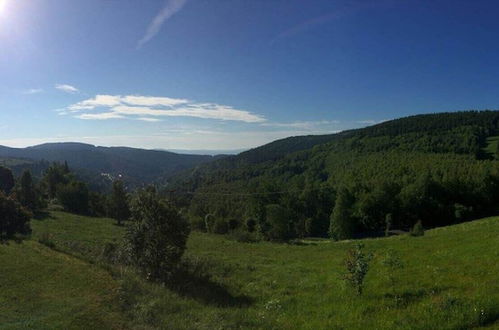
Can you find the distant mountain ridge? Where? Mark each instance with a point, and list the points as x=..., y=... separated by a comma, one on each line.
x=140, y=166
x=211, y=152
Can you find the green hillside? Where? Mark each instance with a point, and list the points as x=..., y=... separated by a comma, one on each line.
x=448, y=281
x=436, y=168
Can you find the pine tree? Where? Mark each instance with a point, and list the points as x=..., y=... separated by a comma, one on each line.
x=119, y=208
x=54, y=176
x=27, y=193
x=6, y=180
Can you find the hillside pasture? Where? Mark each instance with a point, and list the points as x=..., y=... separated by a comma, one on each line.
x=448, y=281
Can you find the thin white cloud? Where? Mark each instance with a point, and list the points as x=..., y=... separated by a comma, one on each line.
x=171, y=8
x=97, y=101
x=136, y=106
x=370, y=121
x=67, y=88
x=152, y=120
x=99, y=116
x=33, y=91
x=302, y=124
x=150, y=101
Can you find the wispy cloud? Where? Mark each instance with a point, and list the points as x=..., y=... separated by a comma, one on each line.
x=151, y=108
x=151, y=120
x=371, y=121
x=346, y=9
x=99, y=116
x=33, y=91
x=67, y=88
x=171, y=7
x=306, y=125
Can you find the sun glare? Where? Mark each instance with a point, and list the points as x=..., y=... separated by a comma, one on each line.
x=3, y=3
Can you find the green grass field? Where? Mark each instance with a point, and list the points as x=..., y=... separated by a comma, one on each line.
x=449, y=281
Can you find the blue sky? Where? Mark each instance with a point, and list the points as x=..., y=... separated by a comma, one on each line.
x=231, y=74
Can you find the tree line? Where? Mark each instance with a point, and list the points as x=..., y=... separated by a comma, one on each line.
x=24, y=197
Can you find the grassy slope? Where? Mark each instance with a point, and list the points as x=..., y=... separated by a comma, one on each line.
x=449, y=282
x=44, y=289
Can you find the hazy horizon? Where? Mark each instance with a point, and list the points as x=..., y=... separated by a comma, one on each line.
x=212, y=152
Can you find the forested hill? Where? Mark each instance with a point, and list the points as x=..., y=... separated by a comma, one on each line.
x=438, y=168
x=137, y=165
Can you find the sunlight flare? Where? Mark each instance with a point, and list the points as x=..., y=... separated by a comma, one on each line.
x=3, y=5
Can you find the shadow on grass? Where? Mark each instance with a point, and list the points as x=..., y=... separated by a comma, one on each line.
x=205, y=290
x=490, y=318
x=42, y=215
x=18, y=239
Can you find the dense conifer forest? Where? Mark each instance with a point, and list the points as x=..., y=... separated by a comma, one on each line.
x=436, y=168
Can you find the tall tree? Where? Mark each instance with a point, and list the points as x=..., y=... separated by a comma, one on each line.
x=119, y=208
x=54, y=176
x=6, y=180
x=278, y=219
x=74, y=197
x=26, y=193
x=342, y=224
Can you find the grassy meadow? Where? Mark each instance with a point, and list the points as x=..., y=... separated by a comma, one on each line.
x=448, y=280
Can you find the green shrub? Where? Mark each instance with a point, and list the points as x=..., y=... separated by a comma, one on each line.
x=357, y=266
x=46, y=239
x=197, y=223
x=220, y=226
x=233, y=224
x=115, y=253
x=462, y=212
x=157, y=235
x=251, y=224
x=243, y=236
x=418, y=229
x=391, y=262
x=14, y=219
